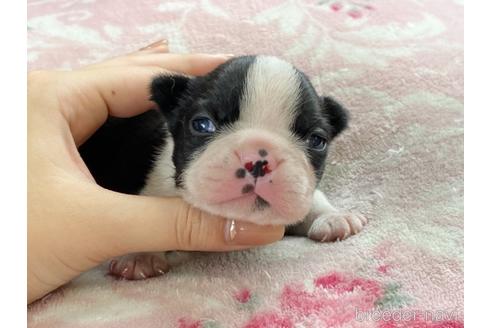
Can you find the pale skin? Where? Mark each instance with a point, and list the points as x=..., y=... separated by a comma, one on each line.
x=74, y=224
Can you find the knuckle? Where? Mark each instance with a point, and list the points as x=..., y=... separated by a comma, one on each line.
x=191, y=233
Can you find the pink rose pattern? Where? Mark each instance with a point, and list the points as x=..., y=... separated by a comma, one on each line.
x=398, y=67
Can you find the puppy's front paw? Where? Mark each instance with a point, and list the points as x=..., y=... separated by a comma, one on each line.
x=139, y=266
x=336, y=226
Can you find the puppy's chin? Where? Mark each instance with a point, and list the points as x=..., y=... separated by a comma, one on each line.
x=244, y=209
x=218, y=180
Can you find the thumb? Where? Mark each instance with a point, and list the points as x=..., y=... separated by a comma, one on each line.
x=147, y=224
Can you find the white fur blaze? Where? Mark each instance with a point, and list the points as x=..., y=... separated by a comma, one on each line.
x=270, y=96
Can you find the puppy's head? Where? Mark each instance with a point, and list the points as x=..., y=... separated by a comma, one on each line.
x=250, y=138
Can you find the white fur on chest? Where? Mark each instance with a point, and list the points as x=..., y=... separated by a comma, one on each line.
x=160, y=180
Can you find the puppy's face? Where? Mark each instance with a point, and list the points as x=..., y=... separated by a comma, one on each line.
x=250, y=138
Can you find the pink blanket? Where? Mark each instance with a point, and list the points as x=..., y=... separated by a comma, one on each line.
x=398, y=67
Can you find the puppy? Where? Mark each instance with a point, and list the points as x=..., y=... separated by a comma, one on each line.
x=248, y=142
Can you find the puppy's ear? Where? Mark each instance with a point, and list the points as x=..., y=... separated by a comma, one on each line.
x=166, y=91
x=337, y=115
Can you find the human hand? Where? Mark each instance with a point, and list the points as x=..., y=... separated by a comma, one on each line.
x=74, y=224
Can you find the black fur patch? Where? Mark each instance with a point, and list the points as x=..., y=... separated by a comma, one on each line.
x=121, y=153
x=315, y=115
x=167, y=90
x=337, y=115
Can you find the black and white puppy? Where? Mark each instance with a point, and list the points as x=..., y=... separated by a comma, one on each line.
x=248, y=142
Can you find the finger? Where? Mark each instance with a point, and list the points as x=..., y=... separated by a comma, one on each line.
x=105, y=91
x=145, y=224
x=123, y=91
x=126, y=90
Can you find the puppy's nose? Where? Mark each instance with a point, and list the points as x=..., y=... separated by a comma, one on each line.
x=258, y=169
x=257, y=161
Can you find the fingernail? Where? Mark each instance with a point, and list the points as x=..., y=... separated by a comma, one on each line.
x=156, y=44
x=245, y=233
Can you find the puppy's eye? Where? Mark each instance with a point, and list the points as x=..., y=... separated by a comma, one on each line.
x=316, y=142
x=203, y=125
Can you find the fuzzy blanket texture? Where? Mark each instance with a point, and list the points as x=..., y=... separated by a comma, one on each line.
x=398, y=67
